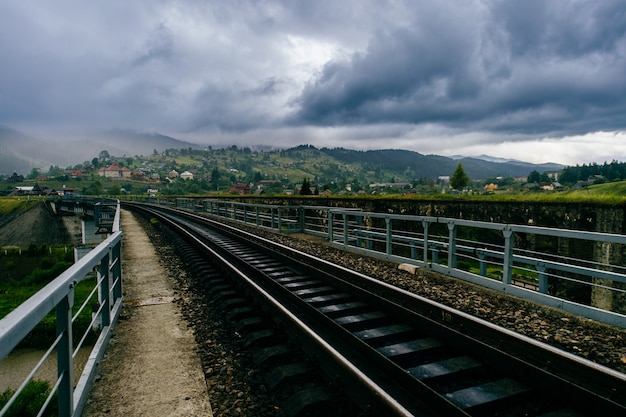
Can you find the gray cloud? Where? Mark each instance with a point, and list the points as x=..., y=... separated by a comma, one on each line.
x=530, y=67
x=365, y=70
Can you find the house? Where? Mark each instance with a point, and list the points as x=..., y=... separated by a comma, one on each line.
x=68, y=192
x=21, y=190
x=114, y=171
x=546, y=186
x=240, y=189
x=173, y=174
x=491, y=187
x=32, y=190
x=186, y=175
x=137, y=175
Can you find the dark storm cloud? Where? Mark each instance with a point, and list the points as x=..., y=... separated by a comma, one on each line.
x=530, y=67
x=407, y=73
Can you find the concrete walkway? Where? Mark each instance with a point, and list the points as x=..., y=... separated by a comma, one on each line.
x=151, y=367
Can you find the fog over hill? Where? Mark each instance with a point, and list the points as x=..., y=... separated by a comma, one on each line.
x=21, y=153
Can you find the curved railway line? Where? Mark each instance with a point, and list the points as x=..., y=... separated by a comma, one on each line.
x=333, y=339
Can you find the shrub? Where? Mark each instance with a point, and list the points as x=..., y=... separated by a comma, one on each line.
x=30, y=400
x=43, y=276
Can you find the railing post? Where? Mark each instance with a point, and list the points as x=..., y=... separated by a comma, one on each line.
x=257, y=215
x=65, y=367
x=389, y=238
x=345, y=229
x=117, y=271
x=105, y=290
x=302, y=219
x=425, y=225
x=279, y=210
x=507, y=262
x=483, y=264
x=542, y=277
x=357, y=231
x=329, y=216
x=451, y=245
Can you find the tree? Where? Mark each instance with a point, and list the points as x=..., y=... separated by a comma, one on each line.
x=459, y=179
x=34, y=173
x=534, y=176
x=104, y=156
x=215, y=177
x=306, y=188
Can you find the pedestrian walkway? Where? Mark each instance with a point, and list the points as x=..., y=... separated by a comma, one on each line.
x=151, y=367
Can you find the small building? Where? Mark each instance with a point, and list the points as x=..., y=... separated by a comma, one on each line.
x=546, y=186
x=21, y=190
x=240, y=189
x=114, y=171
x=137, y=175
x=68, y=192
x=186, y=175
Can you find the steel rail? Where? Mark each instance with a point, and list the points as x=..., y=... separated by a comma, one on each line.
x=529, y=360
x=384, y=402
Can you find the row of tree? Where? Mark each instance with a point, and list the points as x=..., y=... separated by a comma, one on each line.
x=614, y=171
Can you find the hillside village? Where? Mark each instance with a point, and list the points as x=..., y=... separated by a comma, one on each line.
x=301, y=170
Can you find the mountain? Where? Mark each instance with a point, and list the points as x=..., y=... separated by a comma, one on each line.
x=21, y=153
x=433, y=166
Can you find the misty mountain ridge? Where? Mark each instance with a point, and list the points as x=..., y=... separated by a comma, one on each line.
x=21, y=153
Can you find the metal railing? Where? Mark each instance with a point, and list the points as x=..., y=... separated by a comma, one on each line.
x=496, y=255
x=573, y=270
x=103, y=303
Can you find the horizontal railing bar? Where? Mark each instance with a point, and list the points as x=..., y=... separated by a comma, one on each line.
x=18, y=323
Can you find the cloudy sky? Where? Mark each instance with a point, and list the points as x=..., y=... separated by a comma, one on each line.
x=529, y=79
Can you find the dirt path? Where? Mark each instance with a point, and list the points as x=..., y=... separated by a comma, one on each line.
x=151, y=367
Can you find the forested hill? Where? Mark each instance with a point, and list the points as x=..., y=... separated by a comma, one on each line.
x=432, y=166
x=22, y=154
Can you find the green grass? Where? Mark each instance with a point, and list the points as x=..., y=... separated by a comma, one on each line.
x=26, y=273
x=30, y=400
x=10, y=204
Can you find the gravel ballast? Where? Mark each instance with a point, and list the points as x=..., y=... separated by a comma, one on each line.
x=236, y=389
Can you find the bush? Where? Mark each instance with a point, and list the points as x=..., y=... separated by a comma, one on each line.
x=30, y=400
x=43, y=276
x=47, y=263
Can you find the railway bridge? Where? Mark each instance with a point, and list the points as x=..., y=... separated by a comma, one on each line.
x=498, y=255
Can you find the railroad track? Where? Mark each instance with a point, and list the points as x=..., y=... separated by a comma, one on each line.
x=350, y=343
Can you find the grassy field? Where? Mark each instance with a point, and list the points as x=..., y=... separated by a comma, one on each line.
x=24, y=271
x=9, y=205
